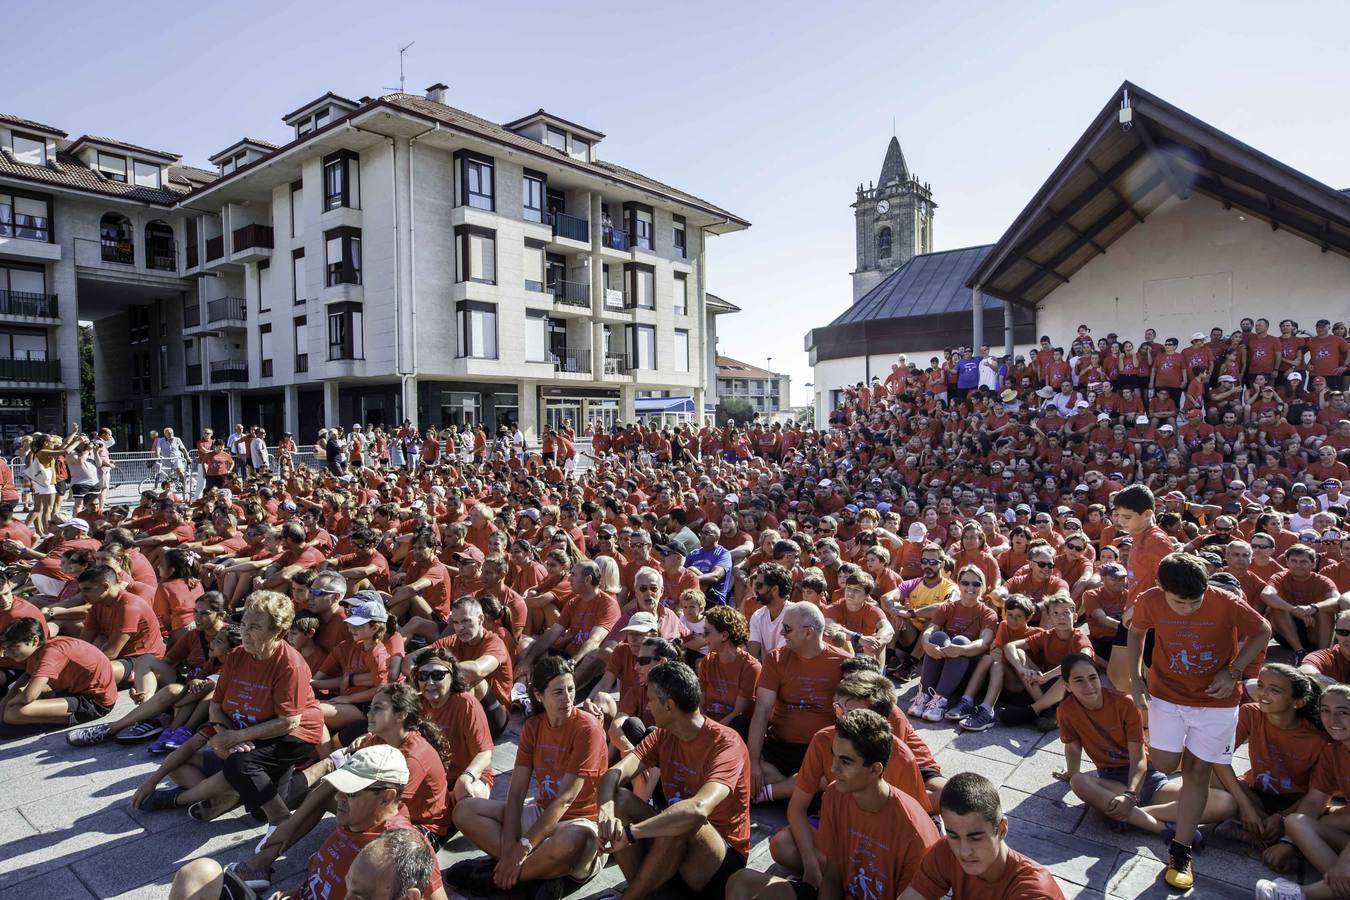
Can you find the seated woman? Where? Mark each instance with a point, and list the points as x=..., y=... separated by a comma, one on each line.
x=555, y=835
x=355, y=669
x=66, y=681
x=179, y=587
x=958, y=632
x=194, y=659
x=727, y=675
x=448, y=702
x=1017, y=612
x=395, y=719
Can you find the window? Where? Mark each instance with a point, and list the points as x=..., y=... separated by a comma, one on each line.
x=884, y=244
x=476, y=185
x=264, y=303
x=301, y=345
x=555, y=138
x=298, y=284
x=31, y=150
x=112, y=167
x=341, y=180
x=227, y=166
x=25, y=345
x=532, y=190
x=536, y=336
x=475, y=255
x=23, y=291
x=581, y=149
x=681, y=350
x=26, y=216
x=147, y=174
x=163, y=367
x=639, y=221
x=477, y=329
x=534, y=267
x=342, y=256
x=265, y=349
x=642, y=346
x=321, y=119
x=297, y=208
x=641, y=286
x=345, y=337
x=116, y=240
x=304, y=128
x=681, y=301
x=677, y=237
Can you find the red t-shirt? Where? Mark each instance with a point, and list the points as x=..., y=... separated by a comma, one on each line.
x=1141, y=570
x=351, y=658
x=252, y=690
x=73, y=666
x=902, y=771
x=725, y=683
x=1046, y=648
x=1023, y=878
x=716, y=754
x=805, y=689
x=878, y=853
x=1302, y=591
x=1189, y=651
x=424, y=796
x=130, y=615
x=1112, y=605
x=488, y=644
x=901, y=728
x=437, y=594
x=465, y=726
x=1325, y=353
x=19, y=608
x=864, y=621
x=578, y=748
x=326, y=878
x=1331, y=662
x=1282, y=761
x=1106, y=733
x=584, y=616
x=955, y=618
x=174, y=602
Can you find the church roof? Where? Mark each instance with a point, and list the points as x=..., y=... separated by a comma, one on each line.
x=929, y=284
x=893, y=168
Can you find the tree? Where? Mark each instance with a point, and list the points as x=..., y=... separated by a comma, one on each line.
x=88, y=405
x=729, y=408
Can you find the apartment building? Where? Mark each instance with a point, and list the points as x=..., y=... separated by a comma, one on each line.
x=396, y=258
x=768, y=393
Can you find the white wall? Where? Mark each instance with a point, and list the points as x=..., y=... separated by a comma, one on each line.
x=1193, y=265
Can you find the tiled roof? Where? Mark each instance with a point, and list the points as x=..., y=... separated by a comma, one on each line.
x=262, y=143
x=70, y=172
x=494, y=132
x=734, y=368
x=114, y=142
x=928, y=285
x=29, y=123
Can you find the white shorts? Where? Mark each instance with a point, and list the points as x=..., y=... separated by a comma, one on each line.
x=585, y=868
x=1206, y=731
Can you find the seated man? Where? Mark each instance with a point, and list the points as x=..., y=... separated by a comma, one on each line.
x=483, y=661
x=66, y=681
x=702, y=836
x=119, y=623
x=873, y=836
x=1034, y=661
x=397, y=865
x=975, y=859
x=581, y=630
x=368, y=786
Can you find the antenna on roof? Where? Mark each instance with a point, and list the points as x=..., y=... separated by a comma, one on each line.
x=401, y=52
x=893, y=134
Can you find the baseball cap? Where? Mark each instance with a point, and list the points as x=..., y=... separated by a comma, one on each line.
x=732, y=498
x=1079, y=487
x=365, y=613
x=1165, y=428
x=362, y=597
x=1141, y=420
x=1294, y=376
x=530, y=513
x=852, y=507
x=1081, y=404
x=640, y=621
x=1007, y=395
x=77, y=524
x=418, y=504
x=1114, y=570
x=825, y=482
x=469, y=551
x=918, y=531
x=1228, y=378
x=289, y=506
x=1175, y=496
x=379, y=764
x=1198, y=336
x=669, y=550
x=1103, y=417
x=1022, y=508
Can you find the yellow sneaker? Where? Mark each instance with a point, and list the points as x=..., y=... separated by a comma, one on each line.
x=1179, y=872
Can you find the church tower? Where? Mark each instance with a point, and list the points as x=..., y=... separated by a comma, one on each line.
x=894, y=222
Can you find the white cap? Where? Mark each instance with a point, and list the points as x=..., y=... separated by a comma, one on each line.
x=1198, y=336
x=378, y=764
x=1165, y=428
x=1081, y=404
x=1141, y=420
x=732, y=498
x=1294, y=376
x=1103, y=417
x=825, y=482
x=918, y=531
x=1228, y=378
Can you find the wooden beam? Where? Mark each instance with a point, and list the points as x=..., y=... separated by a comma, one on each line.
x=1173, y=180
x=1290, y=219
x=1111, y=186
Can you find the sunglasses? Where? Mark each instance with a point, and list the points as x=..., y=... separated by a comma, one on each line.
x=1342, y=632
x=433, y=674
x=930, y=562
x=1045, y=565
x=1079, y=547
x=974, y=584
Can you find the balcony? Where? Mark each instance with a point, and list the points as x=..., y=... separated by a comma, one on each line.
x=115, y=251
x=565, y=360
x=194, y=374
x=615, y=239
x=31, y=306
x=570, y=293
x=215, y=248
x=618, y=300
x=227, y=371
x=251, y=243
x=192, y=316
x=31, y=370
x=573, y=228
x=301, y=363
x=227, y=312
x=617, y=364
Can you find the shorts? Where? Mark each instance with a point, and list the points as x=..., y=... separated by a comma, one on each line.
x=1102, y=646
x=733, y=861
x=44, y=490
x=1275, y=803
x=215, y=481
x=1206, y=731
x=84, y=490
x=529, y=814
x=928, y=773
x=128, y=668
x=83, y=708
x=1152, y=781
x=786, y=758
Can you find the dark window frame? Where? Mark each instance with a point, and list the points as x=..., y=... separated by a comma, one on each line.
x=345, y=345
x=266, y=368
x=542, y=209
x=348, y=269
x=634, y=352
x=463, y=159
x=301, y=358
x=35, y=138
x=338, y=196
x=264, y=265
x=296, y=187
x=679, y=237
x=631, y=222
x=630, y=277
x=681, y=292
x=11, y=229
x=464, y=259
x=464, y=336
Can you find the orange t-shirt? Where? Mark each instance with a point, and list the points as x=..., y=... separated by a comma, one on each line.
x=715, y=754
x=1113, y=606
x=805, y=689
x=1148, y=549
x=878, y=853
x=1106, y=733
x=725, y=683
x=902, y=771
x=1047, y=648
x=955, y=618
x=1282, y=760
x=1022, y=879
x=575, y=748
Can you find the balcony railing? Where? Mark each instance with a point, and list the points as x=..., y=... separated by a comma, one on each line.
x=571, y=227
x=301, y=363
x=571, y=293
x=226, y=309
x=536, y=286
x=617, y=299
x=617, y=364
x=194, y=373
x=566, y=360
x=616, y=239
x=229, y=370
x=22, y=303
x=342, y=352
x=30, y=369
x=115, y=251
x=162, y=255
x=251, y=236
x=215, y=248
x=192, y=316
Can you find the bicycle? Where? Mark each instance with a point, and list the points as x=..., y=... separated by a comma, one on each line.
x=182, y=478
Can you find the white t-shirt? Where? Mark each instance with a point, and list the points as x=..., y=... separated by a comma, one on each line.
x=696, y=629
x=767, y=632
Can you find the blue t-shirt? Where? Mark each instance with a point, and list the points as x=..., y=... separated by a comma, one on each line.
x=707, y=560
x=968, y=372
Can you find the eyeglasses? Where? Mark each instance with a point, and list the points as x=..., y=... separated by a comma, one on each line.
x=974, y=584
x=1263, y=546
x=930, y=562
x=433, y=674
x=1044, y=565
x=319, y=592
x=1079, y=547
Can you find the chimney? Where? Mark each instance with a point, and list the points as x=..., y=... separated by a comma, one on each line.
x=436, y=93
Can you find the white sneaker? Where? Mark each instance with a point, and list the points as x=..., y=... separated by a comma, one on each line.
x=87, y=736
x=1279, y=889
x=918, y=704
x=937, y=709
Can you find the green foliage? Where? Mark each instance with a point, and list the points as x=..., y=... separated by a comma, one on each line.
x=729, y=408
x=88, y=406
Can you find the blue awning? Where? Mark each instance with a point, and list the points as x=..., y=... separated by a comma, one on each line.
x=655, y=406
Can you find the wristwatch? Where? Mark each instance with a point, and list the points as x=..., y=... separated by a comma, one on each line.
x=525, y=842
x=1234, y=672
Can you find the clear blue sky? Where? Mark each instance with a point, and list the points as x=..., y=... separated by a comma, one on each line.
x=773, y=110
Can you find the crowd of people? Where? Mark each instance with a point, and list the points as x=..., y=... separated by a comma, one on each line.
x=1141, y=548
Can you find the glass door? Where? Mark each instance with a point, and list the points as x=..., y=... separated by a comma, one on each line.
x=558, y=412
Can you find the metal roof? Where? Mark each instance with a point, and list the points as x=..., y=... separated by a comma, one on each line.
x=929, y=284
x=1122, y=169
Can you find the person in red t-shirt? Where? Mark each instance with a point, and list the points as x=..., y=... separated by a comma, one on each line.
x=356, y=668
x=1132, y=510
x=66, y=681
x=484, y=662
x=1301, y=603
x=556, y=834
x=1204, y=639
x=1034, y=661
x=702, y=837
x=975, y=860
x=119, y=623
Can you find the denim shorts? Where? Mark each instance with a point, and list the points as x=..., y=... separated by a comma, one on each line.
x=1152, y=781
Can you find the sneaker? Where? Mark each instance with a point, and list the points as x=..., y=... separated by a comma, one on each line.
x=472, y=875
x=1197, y=840
x=964, y=707
x=162, y=799
x=918, y=705
x=937, y=709
x=982, y=719
x=1277, y=889
x=550, y=889
x=141, y=731
x=1179, y=873
x=258, y=881
x=1046, y=722
x=88, y=736
x=170, y=740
